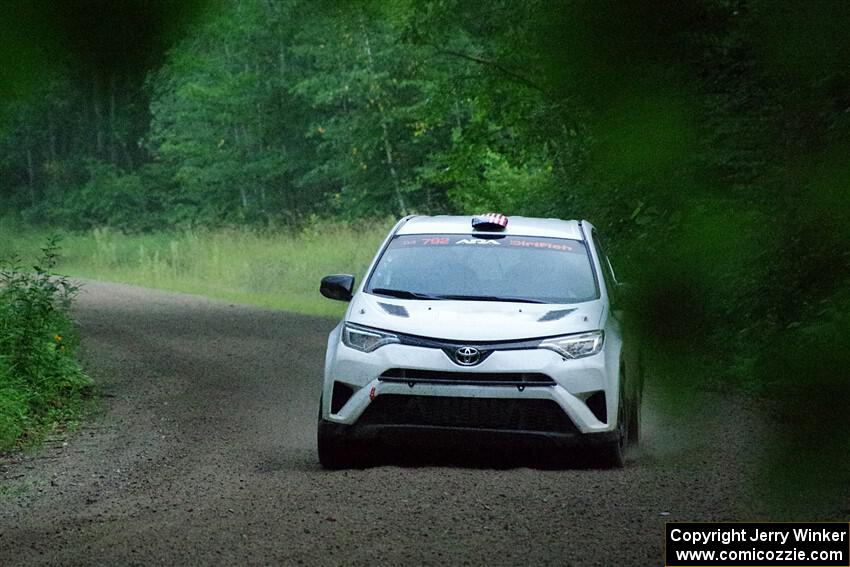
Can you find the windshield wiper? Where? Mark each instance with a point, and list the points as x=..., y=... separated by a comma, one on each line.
x=490, y=298
x=403, y=293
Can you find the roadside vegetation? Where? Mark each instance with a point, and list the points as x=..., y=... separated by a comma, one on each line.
x=42, y=386
x=278, y=269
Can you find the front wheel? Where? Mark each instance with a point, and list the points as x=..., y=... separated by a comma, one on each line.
x=634, y=420
x=334, y=454
x=613, y=453
x=635, y=406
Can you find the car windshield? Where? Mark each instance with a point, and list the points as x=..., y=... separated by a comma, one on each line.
x=468, y=267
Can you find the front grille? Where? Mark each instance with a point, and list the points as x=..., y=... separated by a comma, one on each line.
x=479, y=413
x=412, y=376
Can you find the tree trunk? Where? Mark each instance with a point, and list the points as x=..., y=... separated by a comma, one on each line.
x=389, y=153
x=51, y=133
x=261, y=150
x=385, y=130
x=237, y=144
x=31, y=174
x=98, y=118
x=113, y=130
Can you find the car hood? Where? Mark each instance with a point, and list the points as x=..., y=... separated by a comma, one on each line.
x=474, y=320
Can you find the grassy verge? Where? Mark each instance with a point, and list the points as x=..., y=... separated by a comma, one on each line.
x=277, y=270
x=42, y=386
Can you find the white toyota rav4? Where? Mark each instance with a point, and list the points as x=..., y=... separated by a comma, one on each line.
x=493, y=328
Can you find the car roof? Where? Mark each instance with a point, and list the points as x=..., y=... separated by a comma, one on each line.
x=517, y=226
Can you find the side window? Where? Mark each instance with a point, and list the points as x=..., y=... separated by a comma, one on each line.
x=607, y=270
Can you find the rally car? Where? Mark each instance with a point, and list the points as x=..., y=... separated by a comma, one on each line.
x=491, y=327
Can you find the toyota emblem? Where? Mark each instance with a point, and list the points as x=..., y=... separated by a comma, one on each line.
x=467, y=356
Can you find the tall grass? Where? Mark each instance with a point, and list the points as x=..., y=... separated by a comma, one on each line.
x=280, y=270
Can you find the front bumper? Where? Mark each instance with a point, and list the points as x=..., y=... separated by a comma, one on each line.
x=573, y=382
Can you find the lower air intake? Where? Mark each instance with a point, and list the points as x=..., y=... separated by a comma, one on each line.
x=340, y=396
x=597, y=405
x=477, y=413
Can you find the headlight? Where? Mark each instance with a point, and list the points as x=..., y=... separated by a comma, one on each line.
x=365, y=339
x=576, y=346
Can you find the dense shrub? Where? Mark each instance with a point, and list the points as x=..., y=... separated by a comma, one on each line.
x=41, y=383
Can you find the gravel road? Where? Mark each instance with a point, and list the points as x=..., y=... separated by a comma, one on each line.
x=205, y=454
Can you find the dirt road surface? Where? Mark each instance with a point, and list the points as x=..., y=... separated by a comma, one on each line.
x=205, y=454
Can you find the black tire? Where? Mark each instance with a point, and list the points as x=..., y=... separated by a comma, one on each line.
x=634, y=416
x=613, y=454
x=334, y=453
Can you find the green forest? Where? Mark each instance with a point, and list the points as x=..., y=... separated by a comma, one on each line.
x=263, y=113
x=708, y=140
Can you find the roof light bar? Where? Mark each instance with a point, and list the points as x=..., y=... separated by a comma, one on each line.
x=489, y=221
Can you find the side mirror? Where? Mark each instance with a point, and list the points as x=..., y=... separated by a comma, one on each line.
x=625, y=289
x=624, y=295
x=337, y=286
